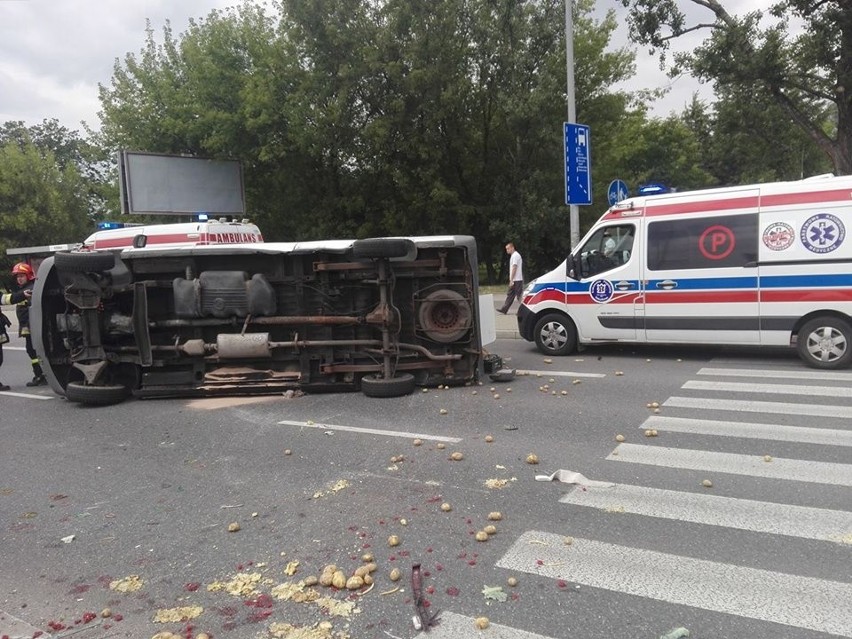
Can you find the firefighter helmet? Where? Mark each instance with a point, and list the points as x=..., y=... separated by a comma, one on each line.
x=22, y=268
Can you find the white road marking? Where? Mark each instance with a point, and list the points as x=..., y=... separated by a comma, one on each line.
x=775, y=432
x=558, y=374
x=702, y=508
x=25, y=395
x=800, y=602
x=729, y=463
x=739, y=406
x=778, y=389
x=770, y=373
x=373, y=431
x=453, y=626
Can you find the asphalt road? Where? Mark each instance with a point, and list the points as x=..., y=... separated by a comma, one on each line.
x=95, y=502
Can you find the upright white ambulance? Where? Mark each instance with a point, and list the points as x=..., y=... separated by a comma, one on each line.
x=764, y=264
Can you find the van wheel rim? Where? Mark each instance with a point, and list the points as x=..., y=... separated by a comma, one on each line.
x=827, y=344
x=554, y=336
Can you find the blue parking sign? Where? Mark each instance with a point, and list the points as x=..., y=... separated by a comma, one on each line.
x=578, y=164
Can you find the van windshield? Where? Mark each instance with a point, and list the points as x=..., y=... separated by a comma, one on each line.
x=608, y=248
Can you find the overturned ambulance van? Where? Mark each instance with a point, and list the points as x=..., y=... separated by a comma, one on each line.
x=765, y=264
x=381, y=315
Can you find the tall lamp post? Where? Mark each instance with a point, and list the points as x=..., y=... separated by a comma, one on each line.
x=573, y=210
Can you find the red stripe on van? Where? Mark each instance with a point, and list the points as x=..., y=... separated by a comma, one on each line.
x=811, y=197
x=808, y=295
x=701, y=297
x=107, y=243
x=702, y=206
x=727, y=204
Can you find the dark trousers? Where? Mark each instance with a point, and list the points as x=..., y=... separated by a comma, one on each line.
x=31, y=351
x=515, y=291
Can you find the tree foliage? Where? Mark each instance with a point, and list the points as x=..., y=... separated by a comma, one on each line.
x=357, y=118
x=43, y=197
x=806, y=72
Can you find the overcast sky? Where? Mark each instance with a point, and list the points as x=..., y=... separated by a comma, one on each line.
x=54, y=53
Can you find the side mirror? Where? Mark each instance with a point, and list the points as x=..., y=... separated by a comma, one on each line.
x=571, y=268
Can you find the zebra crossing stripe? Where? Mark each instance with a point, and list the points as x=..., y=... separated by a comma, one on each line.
x=532, y=373
x=454, y=626
x=828, y=376
x=776, y=432
x=735, y=464
x=777, y=389
x=802, y=602
x=741, y=406
x=742, y=514
x=372, y=431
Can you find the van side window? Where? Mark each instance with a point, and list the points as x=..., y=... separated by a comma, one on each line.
x=607, y=248
x=702, y=242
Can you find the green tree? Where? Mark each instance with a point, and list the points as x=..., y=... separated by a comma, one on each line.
x=41, y=201
x=807, y=74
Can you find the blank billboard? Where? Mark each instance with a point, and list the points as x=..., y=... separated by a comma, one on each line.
x=170, y=184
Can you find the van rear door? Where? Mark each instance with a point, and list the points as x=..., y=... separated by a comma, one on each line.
x=701, y=278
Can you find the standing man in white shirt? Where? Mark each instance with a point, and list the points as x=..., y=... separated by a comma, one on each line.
x=516, y=278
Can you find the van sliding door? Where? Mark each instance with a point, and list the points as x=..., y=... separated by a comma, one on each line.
x=701, y=281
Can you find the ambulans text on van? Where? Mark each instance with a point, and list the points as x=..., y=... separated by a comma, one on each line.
x=764, y=264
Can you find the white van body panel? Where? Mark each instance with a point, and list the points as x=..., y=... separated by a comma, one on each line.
x=175, y=235
x=742, y=265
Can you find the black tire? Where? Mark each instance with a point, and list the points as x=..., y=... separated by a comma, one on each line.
x=381, y=247
x=96, y=395
x=377, y=386
x=826, y=343
x=84, y=262
x=555, y=334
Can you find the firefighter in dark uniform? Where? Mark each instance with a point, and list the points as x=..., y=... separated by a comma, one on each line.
x=25, y=277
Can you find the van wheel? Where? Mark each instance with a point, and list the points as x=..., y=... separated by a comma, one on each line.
x=84, y=262
x=555, y=334
x=825, y=342
x=96, y=395
x=378, y=386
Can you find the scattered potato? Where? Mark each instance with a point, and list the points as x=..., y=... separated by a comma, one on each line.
x=443, y=411
x=495, y=516
x=233, y=527
x=338, y=580
x=393, y=540
x=457, y=456
x=532, y=458
x=707, y=483
x=395, y=574
x=489, y=439
x=481, y=535
x=367, y=557
x=440, y=446
x=354, y=582
x=512, y=581
x=446, y=507
x=418, y=442
x=490, y=529
x=481, y=623
x=619, y=438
